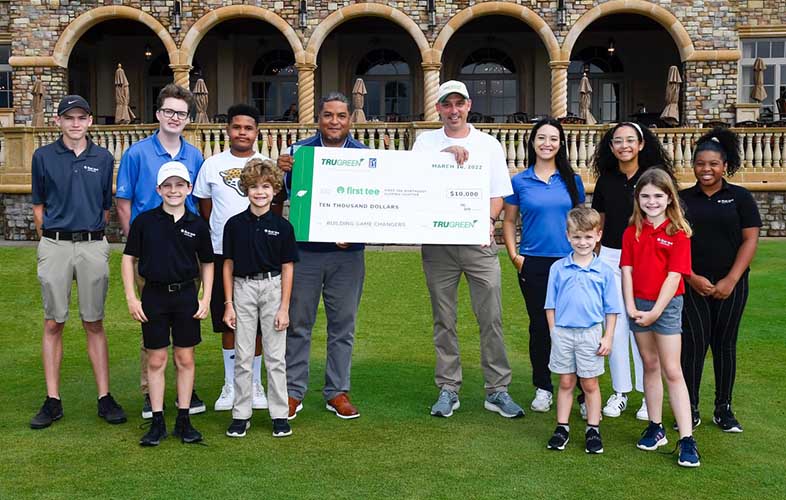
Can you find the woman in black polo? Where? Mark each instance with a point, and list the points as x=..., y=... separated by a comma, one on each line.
x=625, y=152
x=726, y=224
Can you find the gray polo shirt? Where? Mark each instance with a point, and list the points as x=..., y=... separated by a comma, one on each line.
x=75, y=190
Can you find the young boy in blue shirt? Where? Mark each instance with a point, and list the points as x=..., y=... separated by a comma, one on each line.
x=580, y=301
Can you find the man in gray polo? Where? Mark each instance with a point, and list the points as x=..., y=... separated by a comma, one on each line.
x=72, y=195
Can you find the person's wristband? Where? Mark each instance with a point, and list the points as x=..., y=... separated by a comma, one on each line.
x=228, y=302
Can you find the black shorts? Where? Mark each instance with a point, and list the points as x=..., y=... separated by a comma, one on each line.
x=170, y=311
x=217, y=298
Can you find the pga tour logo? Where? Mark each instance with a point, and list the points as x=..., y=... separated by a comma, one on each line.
x=372, y=163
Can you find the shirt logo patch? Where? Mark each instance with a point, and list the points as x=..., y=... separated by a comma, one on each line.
x=187, y=233
x=725, y=202
x=665, y=242
x=90, y=169
x=271, y=232
x=231, y=178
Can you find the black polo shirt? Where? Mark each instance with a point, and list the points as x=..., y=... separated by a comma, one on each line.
x=717, y=223
x=75, y=190
x=259, y=244
x=613, y=197
x=169, y=251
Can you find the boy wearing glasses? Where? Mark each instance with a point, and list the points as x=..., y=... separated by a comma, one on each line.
x=136, y=184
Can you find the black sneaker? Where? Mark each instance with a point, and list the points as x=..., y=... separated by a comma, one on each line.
x=593, y=443
x=147, y=408
x=197, y=405
x=694, y=414
x=724, y=418
x=559, y=439
x=185, y=431
x=155, y=434
x=109, y=410
x=238, y=427
x=281, y=428
x=51, y=410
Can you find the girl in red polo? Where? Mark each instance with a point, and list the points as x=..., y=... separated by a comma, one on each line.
x=655, y=256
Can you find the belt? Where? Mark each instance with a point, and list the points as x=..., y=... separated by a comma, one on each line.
x=75, y=235
x=171, y=287
x=263, y=276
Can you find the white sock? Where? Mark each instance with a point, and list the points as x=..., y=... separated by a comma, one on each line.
x=257, y=369
x=229, y=366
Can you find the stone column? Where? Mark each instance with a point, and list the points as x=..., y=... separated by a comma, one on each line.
x=305, y=92
x=430, y=90
x=559, y=88
x=182, y=74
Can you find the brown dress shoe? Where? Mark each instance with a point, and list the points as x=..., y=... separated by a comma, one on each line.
x=341, y=406
x=294, y=406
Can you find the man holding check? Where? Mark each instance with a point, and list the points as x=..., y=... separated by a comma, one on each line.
x=333, y=270
x=444, y=264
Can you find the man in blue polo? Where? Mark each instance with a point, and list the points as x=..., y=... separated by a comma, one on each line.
x=334, y=271
x=72, y=195
x=136, y=184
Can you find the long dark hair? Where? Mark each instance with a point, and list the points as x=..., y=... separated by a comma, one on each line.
x=652, y=155
x=563, y=165
x=725, y=142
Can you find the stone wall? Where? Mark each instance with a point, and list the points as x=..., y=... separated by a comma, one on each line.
x=710, y=90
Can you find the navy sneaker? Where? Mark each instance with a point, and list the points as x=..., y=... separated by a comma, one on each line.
x=653, y=437
x=724, y=418
x=689, y=453
x=281, y=427
x=238, y=427
x=559, y=439
x=51, y=410
x=446, y=403
x=593, y=443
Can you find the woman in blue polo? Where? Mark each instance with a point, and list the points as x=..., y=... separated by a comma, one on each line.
x=542, y=195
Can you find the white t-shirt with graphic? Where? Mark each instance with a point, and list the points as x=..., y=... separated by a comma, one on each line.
x=219, y=180
x=478, y=144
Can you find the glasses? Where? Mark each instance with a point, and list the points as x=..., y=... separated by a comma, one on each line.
x=171, y=113
x=628, y=141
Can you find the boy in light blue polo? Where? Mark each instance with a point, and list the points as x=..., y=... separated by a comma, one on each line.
x=580, y=298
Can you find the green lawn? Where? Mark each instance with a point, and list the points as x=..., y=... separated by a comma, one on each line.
x=396, y=449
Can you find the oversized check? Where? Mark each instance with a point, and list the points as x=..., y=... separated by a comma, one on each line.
x=380, y=196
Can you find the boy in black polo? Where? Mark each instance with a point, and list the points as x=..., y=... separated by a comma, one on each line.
x=173, y=248
x=259, y=256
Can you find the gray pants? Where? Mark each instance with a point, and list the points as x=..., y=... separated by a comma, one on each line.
x=443, y=265
x=338, y=278
x=256, y=303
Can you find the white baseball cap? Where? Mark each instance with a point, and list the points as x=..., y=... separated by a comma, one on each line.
x=172, y=169
x=452, y=87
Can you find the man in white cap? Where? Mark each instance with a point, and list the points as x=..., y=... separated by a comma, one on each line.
x=444, y=264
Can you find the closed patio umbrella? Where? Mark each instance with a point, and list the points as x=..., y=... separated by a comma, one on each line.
x=358, y=98
x=201, y=99
x=38, y=104
x=585, y=102
x=758, y=93
x=123, y=113
x=671, y=113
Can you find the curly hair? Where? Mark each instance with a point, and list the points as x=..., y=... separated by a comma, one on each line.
x=258, y=170
x=563, y=165
x=653, y=154
x=725, y=142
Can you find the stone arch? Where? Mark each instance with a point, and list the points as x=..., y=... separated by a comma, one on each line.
x=344, y=14
x=503, y=9
x=214, y=17
x=655, y=12
x=74, y=31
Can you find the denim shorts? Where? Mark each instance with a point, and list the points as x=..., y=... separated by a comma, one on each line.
x=669, y=323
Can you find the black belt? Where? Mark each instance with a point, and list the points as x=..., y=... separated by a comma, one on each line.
x=74, y=236
x=263, y=276
x=171, y=287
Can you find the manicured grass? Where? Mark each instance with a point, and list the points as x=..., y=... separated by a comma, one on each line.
x=395, y=449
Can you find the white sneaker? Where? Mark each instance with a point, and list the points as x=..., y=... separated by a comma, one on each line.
x=260, y=400
x=643, y=414
x=227, y=398
x=542, y=401
x=616, y=404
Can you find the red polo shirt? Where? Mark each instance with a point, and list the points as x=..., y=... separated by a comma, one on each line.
x=653, y=256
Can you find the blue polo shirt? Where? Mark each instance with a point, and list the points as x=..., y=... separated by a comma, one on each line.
x=581, y=296
x=544, y=208
x=75, y=190
x=137, y=175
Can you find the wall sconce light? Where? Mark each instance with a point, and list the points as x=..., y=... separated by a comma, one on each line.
x=432, y=13
x=303, y=15
x=176, y=12
x=562, y=14
x=611, y=48
x=148, y=52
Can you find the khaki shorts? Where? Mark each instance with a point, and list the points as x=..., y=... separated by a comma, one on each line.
x=62, y=262
x=575, y=350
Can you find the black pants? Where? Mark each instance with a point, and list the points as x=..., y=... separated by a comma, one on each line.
x=712, y=323
x=533, y=280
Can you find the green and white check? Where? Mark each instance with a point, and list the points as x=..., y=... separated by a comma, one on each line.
x=380, y=196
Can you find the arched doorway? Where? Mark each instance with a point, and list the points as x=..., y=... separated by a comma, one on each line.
x=273, y=85
x=388, y=82
x=490, y=75
x=606, y=76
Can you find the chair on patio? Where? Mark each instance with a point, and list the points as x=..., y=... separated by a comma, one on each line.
x=518, y=117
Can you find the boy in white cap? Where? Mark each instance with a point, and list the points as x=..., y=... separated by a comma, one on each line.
x=172, y=246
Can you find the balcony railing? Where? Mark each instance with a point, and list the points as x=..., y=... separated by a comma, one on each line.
x=763, y=149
